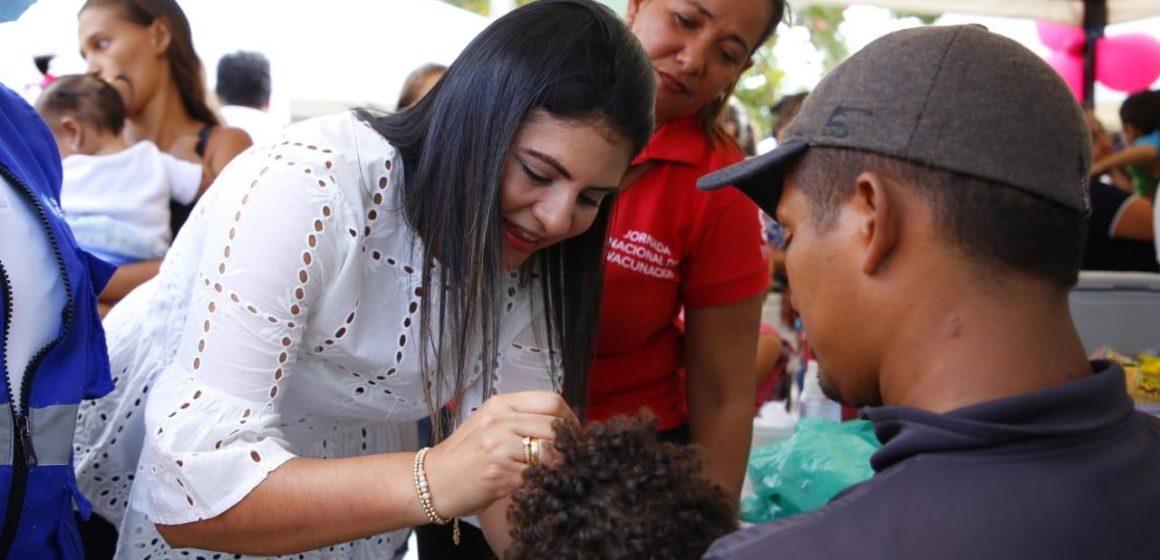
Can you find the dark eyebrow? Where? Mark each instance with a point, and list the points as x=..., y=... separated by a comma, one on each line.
x=732, y=36
x=560, y=167
x=550, y=161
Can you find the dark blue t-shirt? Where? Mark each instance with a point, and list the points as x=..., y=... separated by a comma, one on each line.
x=1070, y=472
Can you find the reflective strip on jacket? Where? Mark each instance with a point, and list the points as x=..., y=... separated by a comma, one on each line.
x=75, y=367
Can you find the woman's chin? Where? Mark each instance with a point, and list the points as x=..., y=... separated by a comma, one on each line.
x=512, y=261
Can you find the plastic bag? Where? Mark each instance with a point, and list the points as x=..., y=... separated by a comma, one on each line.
x=807, y=470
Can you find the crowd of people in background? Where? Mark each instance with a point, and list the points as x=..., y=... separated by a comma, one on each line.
x=520, y=316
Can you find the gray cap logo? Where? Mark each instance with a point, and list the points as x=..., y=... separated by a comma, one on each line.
x=956, y=98
x=838, y=125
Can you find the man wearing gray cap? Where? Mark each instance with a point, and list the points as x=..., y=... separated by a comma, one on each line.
x=932, y=189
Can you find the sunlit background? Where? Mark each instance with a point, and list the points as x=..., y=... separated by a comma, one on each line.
x=326, y=56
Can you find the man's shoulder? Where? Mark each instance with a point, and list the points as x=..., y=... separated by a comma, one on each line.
x=812, y=534
x=963, y=505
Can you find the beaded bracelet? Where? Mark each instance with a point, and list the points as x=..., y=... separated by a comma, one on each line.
x=424, y=490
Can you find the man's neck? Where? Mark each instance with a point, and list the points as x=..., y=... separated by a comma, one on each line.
x=973, y=348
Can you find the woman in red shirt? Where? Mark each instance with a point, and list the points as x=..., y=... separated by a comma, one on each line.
x=673, y=248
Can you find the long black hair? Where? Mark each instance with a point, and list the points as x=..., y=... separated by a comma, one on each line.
x=574, y=59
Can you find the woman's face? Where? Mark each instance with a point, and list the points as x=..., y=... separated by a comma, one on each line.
x=129, y=56
x=557, y=174
x=698, y=47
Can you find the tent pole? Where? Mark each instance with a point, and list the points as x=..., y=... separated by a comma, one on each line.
x=1095, y=19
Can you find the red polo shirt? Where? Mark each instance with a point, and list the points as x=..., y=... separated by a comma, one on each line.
x=669, y=246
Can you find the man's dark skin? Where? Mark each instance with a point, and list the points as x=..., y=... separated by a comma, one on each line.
x=899, y=316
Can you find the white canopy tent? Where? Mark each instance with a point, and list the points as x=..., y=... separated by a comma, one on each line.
x=349, y=52
x=327, y=55
x=1068, y=12
x=1092, y=15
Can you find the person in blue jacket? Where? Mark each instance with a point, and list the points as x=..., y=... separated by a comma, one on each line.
x=52, y=347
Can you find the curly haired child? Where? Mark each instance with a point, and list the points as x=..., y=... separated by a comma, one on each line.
x=617, y=493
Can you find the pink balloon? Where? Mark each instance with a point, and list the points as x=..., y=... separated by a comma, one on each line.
x=1128, y=62
x=1070, y=68
x=1059, y=37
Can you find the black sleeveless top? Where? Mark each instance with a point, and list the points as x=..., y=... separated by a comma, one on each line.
x=203, y=139
x=179, y=213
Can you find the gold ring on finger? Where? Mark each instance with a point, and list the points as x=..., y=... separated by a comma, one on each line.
x=534, y=452
x=527, y=441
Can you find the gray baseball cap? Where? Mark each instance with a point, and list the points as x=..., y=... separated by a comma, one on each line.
x=958, y=98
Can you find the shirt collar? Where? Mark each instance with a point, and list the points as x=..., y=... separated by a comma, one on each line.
x=680, y=140
x=1082, y=407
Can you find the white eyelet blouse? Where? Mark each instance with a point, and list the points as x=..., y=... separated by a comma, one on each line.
x=284, y=322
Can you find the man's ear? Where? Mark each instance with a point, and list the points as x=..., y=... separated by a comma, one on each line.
x=159, y=36
x=631, y=11
x=880, y=211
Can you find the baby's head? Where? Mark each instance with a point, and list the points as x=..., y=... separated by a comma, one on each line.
x=1140, y=114
x=85, y=114
x=617, y=493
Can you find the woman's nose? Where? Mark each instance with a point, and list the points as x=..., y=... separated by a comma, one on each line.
x=94, y=65
x=692, y=57
x=554, y=213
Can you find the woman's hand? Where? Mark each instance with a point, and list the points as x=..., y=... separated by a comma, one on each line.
x=483, y=459
x=310, y=503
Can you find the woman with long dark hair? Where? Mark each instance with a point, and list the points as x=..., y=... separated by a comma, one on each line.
x=334, y=288
x=144, y=48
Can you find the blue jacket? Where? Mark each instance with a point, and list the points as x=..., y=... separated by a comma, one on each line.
x=37, y=484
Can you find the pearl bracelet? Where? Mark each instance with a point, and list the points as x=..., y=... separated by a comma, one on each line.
x=419, y=475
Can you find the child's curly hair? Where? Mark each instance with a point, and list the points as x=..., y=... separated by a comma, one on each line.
x=618, y=493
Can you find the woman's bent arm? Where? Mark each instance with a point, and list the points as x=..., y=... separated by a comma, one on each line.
x=310, y=503
x=720, y=350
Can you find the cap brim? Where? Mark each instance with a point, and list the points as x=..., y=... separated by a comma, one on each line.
x=761, y=177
